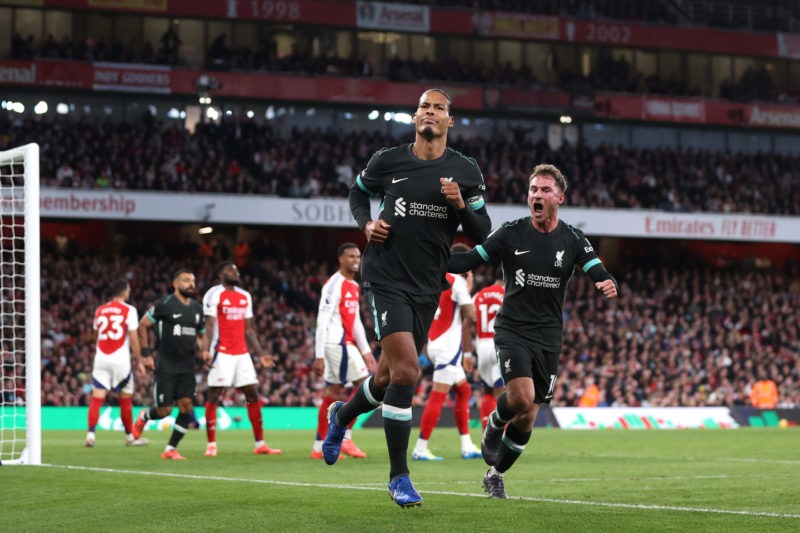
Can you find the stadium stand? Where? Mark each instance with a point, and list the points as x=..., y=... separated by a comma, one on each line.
x=244, y=157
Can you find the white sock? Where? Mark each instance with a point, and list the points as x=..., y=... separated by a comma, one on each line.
x=348, y=434
x=260, y=443
x=212, y=443
x=168, y=448
x=317, y=446
x=421, y=446
x=466, y=443
x=493, y=472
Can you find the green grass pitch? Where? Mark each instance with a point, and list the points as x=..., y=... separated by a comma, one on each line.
x=681, y=480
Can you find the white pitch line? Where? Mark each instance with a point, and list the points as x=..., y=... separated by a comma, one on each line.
x=642, y=506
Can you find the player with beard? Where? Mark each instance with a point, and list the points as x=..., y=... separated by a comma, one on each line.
x=229, y=317
x=428, y=190
x=181, y=334
x=538, y=254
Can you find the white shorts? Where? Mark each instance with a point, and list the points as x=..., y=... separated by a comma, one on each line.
x=232, y=371
x=447, y=366
x=488, y=367
x=343, y=364
x=112, y=374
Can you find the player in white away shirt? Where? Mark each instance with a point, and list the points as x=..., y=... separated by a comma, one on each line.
x=343, y=355
x=229, y=317
x=445, y=340
x=115, y=323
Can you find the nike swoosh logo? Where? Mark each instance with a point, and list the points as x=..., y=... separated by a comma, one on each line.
x=517, y=252
x=398, y=180
x=177, y=316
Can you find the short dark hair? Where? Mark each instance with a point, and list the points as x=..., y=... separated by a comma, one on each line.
x=344, y=247
x=446, y=95
x=459, y=247
x=117, y=287
x=221, y=266
x=180, y=271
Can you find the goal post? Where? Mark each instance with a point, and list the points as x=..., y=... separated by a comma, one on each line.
x=20, y=308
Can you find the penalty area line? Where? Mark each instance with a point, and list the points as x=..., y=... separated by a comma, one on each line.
x=642, y=506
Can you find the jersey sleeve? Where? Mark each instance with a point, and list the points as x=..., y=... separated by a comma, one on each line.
x=156, y=311
x=473, y=188
x=201, y=323
x=327, y=303
x=248, y=312
x=211, y=302
x=460, y=293
x=94, y=322
x=359, y=333
x=369, y=179
x=491, y=249
x=133, y=319
x=587, y=259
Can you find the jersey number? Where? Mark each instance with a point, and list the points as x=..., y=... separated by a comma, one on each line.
x=110, y=327
x=487, y=310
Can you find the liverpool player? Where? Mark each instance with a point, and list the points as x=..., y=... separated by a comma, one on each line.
x=428, y=190
x=229, y=317
x=539, y=254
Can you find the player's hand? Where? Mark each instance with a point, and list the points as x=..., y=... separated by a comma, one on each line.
x=149, y=363
x=267, y=361
x=452, y=193
x=318, y=367
x=377, y=231
x=468, y=363
x=607, y=287
x=369, y=360
x=206, y=355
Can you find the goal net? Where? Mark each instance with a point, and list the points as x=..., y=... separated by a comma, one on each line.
x=20, y=365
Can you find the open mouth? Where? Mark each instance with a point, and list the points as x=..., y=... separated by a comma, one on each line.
x=538, y=207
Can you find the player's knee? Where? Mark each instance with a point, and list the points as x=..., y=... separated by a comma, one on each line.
x=404, y=376
x=520, y=400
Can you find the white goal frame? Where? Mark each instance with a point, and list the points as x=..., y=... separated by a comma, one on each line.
x=28, y=155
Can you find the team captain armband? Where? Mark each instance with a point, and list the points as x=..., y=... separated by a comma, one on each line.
x=475, y=202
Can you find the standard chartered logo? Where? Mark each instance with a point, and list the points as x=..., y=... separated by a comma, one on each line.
x=519, y=277
x=536, y=280
x=418, y=209
x=400, y=207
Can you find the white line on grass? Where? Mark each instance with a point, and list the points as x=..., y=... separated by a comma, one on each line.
x=437, y=492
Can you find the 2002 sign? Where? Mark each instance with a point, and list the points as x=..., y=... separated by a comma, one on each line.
x=608, y=33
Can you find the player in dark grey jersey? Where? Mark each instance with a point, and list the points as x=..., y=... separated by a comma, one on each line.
x=181, y=334
x=538, y=254
x=427, y=191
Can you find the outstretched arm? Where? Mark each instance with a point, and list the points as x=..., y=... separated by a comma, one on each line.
x=461, y=262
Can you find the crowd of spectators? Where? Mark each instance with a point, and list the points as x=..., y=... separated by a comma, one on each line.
x=243, y=157
x=682, y=335
x=607, y=74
